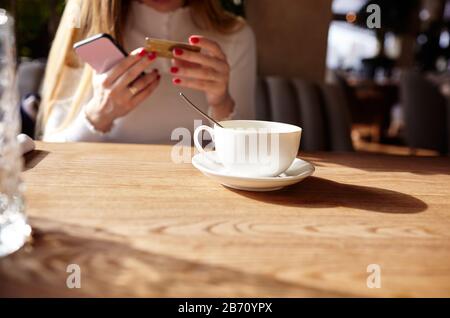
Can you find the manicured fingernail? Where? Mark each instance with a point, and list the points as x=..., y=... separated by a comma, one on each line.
x=174, y=69
x=194, y=39
x=152, y=56
x=142, y=53
x=158, y=77
x=178, y=51
x=176, y=81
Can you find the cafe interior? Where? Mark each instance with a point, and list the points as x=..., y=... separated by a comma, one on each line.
x=368, y=81
x=391, y=80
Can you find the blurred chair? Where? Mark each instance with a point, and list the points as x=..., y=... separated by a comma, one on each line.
x=338, y=118
x=425, y=113
x=262, y=100
x=281, y=98
x=314, y=136
x=29, y=77
x=322, y=111
x=354, y=106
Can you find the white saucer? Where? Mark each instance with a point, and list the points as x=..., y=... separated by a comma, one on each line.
x=298, y=171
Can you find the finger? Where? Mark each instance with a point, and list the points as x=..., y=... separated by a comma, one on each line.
x=118, y=70
x=181, y=63
x=135, y=71
x=203, y=73
x=146, y=92
x=142, y=82
x=212, y=47
x=202, y=59
x=203, y=85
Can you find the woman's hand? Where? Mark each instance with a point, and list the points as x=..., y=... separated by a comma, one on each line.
x=121, y=89
x=207, y=71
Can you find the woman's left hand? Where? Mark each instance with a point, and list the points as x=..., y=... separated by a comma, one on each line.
x=207, y=71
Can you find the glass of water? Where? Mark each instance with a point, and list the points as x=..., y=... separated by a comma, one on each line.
x=14, y=230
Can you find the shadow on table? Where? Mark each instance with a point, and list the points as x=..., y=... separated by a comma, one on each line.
x=386, y=163
x=114, y=268
x=33, y=158
x=321, y=193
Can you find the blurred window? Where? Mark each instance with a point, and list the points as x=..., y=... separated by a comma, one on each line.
x=348, y=45
x=349, y=42
x=345, y=6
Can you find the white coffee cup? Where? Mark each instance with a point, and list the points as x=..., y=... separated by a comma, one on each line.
x=253, y=148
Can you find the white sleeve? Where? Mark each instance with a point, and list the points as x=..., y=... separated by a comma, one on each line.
x=243, y=74
x=78, y=130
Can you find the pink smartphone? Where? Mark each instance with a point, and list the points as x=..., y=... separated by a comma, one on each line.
x=100, y=51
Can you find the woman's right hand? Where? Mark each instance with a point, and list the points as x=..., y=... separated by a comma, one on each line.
x=121, y=89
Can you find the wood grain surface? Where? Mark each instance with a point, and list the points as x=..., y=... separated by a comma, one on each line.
x=139, y=225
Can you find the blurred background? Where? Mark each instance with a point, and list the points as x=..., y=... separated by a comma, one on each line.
x=321, y=66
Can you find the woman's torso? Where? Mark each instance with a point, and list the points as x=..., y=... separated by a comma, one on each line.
x=164, y=112
x=155, y=120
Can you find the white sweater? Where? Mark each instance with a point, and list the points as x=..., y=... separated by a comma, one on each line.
x=156, y=119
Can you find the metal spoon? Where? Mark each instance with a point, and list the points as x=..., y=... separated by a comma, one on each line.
x=198, y=110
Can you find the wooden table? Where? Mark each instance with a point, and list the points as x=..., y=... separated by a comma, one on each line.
x=139, y=225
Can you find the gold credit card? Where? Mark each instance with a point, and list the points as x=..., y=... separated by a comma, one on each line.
x=164, y=48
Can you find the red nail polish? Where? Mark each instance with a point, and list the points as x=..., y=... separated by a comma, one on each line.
x=178, y=51
x=195, y=39
x=158, y=77
x=142, y=53
x=177, y=81
x=174, y=69
x=152, y=56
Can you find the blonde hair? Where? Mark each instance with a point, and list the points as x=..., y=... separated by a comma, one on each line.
x=104, y=16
